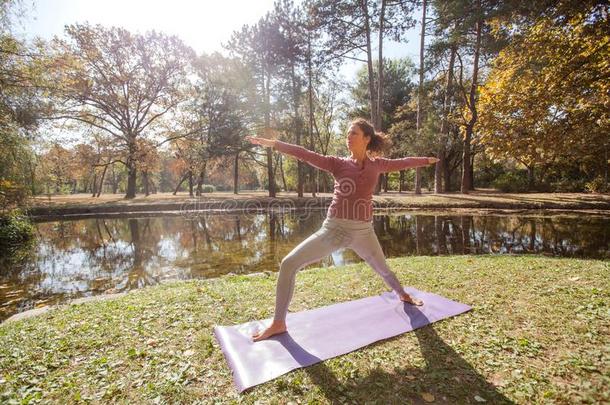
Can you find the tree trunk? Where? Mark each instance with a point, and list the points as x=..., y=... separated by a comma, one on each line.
x=369, y=64
x=86, y=184
x=282, y=174
x=420, y=87
x=607, y=163
x=32, y=178
x=444, y=132
x=114, y=181
x=191, y=183
x=236, y=174
x=447, y=174
x=101, y=186
x=312, y=180
x=376, y=115
x=199, y=187
x=93, y=185
x=401, y=181
x=297, y=128
x=131, y=171
x=379, y=123
x=184, y=177
x=530, y=177
x=420, y=91
x=466, y=167
x=145, y=183
x=270, y=175
x=418, y=180
x=200, y=180
x=471, y=174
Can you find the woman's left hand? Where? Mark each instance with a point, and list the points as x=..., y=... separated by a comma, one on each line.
x=432, y=160
x=270, y=143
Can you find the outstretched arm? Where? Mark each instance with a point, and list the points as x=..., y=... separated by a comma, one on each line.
x=392, y=165
x=327, y=163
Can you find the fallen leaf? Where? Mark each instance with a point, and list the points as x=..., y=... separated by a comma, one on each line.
x=427, y=397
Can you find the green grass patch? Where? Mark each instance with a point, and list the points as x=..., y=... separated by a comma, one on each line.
x=538, y=333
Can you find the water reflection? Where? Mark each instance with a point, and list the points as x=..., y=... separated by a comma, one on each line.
x=75, y=258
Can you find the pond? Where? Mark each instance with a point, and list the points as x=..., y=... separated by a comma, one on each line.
x=84, y=257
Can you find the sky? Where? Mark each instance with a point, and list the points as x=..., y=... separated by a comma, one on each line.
x=204, y=25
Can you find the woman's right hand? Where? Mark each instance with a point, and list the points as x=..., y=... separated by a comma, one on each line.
x=261, y=141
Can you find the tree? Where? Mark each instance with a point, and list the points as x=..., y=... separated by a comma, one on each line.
x=422, y=42
x=54, y=163
x=398, y=90
x=85, y=157
x=296, y=51
x=214, y=121
x=221, y=110
x=408, y=140
x=147, y=159
x=350, y=26
x=259, y=48
x=119, y=82
x=546, y=97
x=463, y=30
x=20, y=107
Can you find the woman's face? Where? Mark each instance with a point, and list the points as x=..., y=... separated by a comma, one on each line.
x=356, y=141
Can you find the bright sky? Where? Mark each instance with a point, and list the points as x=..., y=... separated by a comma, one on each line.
x=204, y=25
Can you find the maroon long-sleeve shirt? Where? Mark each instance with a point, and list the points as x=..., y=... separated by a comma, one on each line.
x=354, y=185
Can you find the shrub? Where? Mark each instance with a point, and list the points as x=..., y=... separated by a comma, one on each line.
x=543, y=187
x=568, y=186
x=224, y=187
x=15, y=228
x=11, y=194
x=597, y=185
x=486, y=173
x=511, y=182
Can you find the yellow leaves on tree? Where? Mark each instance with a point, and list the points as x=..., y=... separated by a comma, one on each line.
x=546, y=97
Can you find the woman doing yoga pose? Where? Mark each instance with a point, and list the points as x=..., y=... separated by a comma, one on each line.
x=349, y=220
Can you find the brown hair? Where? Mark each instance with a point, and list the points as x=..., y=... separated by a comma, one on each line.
x=379, y=141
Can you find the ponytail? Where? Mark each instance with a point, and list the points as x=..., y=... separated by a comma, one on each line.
x=379, y=141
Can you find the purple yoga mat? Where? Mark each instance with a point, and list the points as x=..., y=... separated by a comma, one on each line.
x=322, y=333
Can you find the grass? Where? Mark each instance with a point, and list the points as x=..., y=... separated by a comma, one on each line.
x=538, y=333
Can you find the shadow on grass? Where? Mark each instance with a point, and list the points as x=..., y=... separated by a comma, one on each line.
x=447, y=376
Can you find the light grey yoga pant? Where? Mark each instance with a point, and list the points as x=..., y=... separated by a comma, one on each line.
x=335, y=233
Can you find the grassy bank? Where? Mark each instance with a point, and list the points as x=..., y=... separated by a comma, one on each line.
x=539, y=332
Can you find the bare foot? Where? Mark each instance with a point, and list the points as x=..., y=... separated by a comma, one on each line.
x=273, y=329
x=411, y=300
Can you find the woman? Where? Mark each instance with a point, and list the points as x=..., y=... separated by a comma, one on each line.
x=349, y=220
